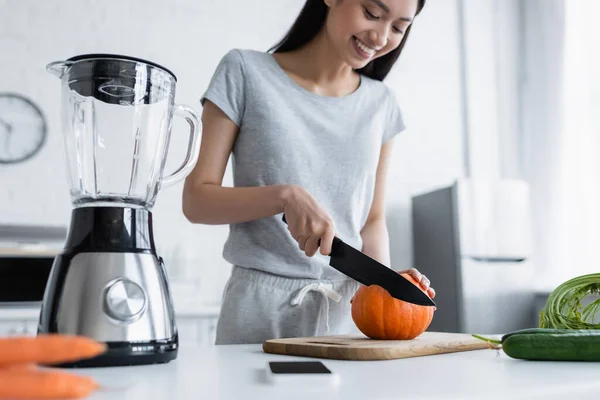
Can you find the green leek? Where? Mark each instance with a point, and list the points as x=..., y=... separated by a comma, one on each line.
x=563, y=309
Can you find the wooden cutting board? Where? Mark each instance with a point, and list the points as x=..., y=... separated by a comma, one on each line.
x=358, y=347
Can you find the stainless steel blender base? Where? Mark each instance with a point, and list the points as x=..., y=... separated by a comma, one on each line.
x=109, y=285
x=106, y=297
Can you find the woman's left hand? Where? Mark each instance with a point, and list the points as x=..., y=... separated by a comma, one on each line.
x=419, y=277
x=422, y=279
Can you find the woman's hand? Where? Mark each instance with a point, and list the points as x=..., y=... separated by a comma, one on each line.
x=308, y=223
x=419, y=277
x=422, y=279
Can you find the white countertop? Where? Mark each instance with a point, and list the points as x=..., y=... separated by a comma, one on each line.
x=237, y=372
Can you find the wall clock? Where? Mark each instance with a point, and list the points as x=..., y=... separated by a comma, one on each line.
x=22, y=128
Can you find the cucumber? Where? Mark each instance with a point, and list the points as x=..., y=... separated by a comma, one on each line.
x=551, y=344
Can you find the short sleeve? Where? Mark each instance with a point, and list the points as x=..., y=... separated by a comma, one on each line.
x=226, y=87
x=395, y=123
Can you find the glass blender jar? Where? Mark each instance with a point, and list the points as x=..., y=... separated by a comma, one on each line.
x=116, y=115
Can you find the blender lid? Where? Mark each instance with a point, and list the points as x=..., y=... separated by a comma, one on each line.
x=83, y=57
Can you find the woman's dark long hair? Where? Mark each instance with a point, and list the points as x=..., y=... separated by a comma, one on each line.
x=311, y=20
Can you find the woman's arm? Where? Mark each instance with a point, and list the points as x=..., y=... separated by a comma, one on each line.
x=205, y=201
x=374, y=233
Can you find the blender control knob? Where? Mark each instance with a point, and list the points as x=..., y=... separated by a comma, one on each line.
x=124, y=300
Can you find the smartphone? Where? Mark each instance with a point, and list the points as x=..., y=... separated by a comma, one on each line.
x=300, y=372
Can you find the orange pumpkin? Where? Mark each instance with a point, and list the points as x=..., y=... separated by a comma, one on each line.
x=380, y=316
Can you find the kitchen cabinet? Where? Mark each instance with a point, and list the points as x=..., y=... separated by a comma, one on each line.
x=18, y=328
x=197, y=330
x=196, y=326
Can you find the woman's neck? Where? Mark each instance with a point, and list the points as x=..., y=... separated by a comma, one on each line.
x=317, y=67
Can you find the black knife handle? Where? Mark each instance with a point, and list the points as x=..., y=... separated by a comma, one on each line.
x=334, y=244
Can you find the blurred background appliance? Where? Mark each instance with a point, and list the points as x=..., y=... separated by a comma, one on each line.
x=473, y=240
x=26, y=256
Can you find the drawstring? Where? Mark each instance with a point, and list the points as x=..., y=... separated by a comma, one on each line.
x=326, y=289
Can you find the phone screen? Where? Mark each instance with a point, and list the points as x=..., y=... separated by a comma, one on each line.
x=298, y=367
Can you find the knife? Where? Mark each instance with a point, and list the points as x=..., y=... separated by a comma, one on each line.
x=362, y=268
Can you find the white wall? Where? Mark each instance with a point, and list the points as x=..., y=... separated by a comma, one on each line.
x=429, y=153
x=560, y=136
x=189, y=37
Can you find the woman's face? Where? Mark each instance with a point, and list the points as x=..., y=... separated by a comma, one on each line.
x=363, y=30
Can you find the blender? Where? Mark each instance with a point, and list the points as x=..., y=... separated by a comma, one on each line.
x=108, y=283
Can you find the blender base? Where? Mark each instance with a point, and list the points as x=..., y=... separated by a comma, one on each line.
x=120, y=354
x=108, y=284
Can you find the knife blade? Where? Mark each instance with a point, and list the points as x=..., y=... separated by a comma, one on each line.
x=367, y=271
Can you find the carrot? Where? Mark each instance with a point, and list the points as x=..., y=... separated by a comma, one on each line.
x=18, y=367
x=41, y=384
x=48, y=349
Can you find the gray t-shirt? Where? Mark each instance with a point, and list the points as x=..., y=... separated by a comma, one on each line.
x=289, y=135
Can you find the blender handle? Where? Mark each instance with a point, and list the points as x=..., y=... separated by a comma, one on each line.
x=191, y=157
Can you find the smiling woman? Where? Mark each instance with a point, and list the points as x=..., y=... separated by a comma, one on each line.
x=309, y=125
x=370, y=19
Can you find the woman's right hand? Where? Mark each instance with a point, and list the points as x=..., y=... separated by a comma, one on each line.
x=307, y=221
